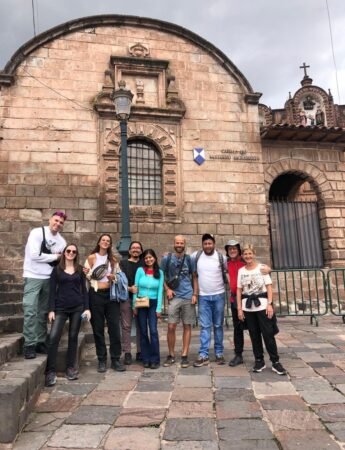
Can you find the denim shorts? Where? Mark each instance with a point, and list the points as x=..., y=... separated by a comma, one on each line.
x=181, y=308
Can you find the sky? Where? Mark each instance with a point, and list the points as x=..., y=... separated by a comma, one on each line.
x=266, y=39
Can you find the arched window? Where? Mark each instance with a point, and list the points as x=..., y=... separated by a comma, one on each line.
x=144, y=173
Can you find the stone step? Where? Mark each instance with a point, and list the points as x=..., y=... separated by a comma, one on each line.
x=11, y=345
x=21, y=381
x=11, y=297
x=7, y=278
x=11, y=287
x=10, y=309
x=11, y=324
x=87, y=329
x=20, y=384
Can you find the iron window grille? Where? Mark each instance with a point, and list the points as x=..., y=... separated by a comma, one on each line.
x=144, y=174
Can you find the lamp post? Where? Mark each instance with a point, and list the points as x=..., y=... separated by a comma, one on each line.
x=122, y=98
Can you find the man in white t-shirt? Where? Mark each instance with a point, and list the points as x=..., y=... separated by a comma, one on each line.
x=212, y=274
x=43, y=248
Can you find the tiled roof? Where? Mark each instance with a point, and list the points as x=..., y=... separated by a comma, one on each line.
x=315, y=133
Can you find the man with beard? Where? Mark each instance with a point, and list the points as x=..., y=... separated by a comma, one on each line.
x=129, y=267
x=181, y=287
x=212, y=275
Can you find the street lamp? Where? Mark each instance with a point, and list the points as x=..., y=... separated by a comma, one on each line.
x=122, y=98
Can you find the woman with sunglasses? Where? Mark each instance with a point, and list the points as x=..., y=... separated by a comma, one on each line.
x=100, y=267
x=149, y=281
x=68, y=300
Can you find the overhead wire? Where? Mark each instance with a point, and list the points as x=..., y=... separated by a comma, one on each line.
x=332, y=46
x=34, y=20
x=37, y=21
x=33, y=16
x=55, y=91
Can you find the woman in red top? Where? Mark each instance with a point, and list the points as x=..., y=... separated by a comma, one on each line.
x=235, y=262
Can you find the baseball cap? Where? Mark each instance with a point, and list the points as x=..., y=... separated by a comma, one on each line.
x=207, y=236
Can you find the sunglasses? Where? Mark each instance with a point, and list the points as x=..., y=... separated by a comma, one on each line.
x=60, y=214
x=74, y=252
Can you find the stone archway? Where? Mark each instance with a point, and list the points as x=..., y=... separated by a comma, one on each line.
x=295, y=199
x=308, y=171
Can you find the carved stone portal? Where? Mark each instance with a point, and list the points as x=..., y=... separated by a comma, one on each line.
x=164, y=138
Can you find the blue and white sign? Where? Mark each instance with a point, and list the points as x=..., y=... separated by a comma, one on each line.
x=199, y=155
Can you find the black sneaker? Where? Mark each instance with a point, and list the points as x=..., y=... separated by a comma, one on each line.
x=71, y=373
x=41, y=348
x=259, y=366
x=127, y=359
x=138, y=357
x=146, y=365
x=30, y=352
x=169, y=361
x=102, y=366
x=154, y=365
x=184, y=362
x=236, y=361
x=118, y=366
x=201, y=361
x=50, y=379
x=220, y=360
x=278, y=368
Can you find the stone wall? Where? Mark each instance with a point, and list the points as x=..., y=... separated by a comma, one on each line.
x=54, y=141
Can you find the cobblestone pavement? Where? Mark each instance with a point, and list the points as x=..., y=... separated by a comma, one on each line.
x=214, y=407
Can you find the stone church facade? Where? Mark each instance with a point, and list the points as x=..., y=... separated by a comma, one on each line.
x=60, y=142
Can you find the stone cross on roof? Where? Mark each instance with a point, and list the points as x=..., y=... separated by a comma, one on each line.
x=305, y=67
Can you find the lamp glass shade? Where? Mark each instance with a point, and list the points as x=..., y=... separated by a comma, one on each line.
x=122, y=98
x=122, y=103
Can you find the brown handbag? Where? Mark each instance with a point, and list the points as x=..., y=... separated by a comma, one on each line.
x=142, y=302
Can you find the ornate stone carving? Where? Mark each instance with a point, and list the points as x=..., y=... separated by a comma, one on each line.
x=265, y=115
x=164, y=138
x=109, y=81
x=139, y=50
x=140, y=100
x=172, y=96
x=103, y=99
x=308, y=103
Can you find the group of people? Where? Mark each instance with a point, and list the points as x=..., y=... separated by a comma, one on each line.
x=58, y=287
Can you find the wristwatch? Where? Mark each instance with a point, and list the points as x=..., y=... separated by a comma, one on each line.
x=270, y=303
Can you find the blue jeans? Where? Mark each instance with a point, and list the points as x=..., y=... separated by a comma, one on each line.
x=149, y=344
x=211, y=312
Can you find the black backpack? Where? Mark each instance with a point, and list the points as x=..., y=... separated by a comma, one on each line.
x=46, y=250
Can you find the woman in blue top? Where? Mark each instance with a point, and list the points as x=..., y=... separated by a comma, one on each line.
x=149, y=281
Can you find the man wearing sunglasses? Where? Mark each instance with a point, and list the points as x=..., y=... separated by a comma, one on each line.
x=42, y=251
